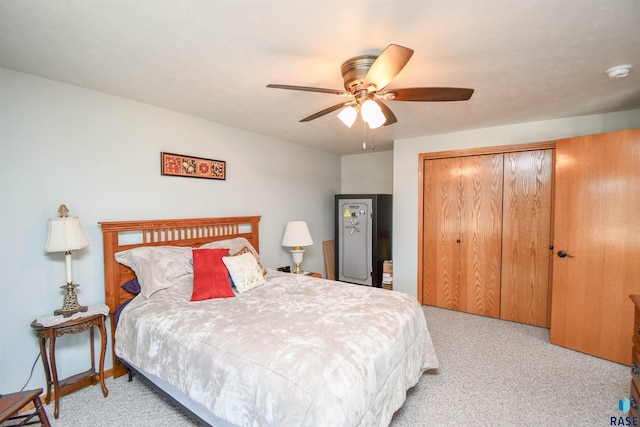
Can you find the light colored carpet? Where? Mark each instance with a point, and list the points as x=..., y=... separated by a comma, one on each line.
x=492, y=373
x=498, y=373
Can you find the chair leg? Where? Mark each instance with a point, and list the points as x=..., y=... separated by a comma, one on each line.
x=14, y=403
x=42, y=415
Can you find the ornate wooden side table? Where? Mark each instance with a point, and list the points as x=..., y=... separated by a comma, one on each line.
x=78, y=381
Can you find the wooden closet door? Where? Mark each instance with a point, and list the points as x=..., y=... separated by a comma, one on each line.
x=597, y=224
x=481, y=233
x=462, y=233
x=526, y=237
x=442, y=209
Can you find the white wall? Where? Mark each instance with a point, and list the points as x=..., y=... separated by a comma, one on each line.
x=405, y=172
x=100, y=155
x=368, y=173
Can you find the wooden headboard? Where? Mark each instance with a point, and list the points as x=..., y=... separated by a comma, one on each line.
x=122, y=235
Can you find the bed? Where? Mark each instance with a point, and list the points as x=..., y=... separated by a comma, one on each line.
x=283, y=350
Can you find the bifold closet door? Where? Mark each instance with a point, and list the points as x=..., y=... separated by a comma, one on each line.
x=442, y=217
x=462, y=233
x=526, y=237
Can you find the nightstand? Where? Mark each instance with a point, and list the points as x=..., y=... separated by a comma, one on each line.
x=78, y=381
x=313, y=274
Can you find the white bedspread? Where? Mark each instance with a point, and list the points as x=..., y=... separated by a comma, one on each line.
x=297, y=351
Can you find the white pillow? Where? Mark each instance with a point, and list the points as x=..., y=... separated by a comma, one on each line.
x=245, y=271
x=157, y=267
x=234, y=245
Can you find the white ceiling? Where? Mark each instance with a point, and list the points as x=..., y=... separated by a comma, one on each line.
x=527, y=60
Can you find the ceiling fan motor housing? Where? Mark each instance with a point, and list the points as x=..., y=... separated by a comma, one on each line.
x=354, y=72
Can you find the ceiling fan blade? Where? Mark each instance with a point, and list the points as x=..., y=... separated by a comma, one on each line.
x=391, y=118
x=310, y=89
x=325, y=111
x=388, y=64
x=428, y=94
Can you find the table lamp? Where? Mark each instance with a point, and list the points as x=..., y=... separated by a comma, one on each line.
x=297, y=235
x=65, y=235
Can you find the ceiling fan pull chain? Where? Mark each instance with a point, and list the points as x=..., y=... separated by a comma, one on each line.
x=364, y=135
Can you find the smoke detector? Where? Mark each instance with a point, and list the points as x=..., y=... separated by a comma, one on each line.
x=619, y=71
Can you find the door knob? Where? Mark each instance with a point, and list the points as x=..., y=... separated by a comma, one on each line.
x=563, y=254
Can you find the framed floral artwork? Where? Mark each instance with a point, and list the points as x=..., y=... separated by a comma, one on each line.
x=193, y=167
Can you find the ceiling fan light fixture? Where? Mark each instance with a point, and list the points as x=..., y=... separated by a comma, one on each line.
x=377, y=122
x=372, y=114
x=348, y=115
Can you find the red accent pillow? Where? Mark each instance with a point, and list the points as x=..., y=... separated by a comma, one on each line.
x=210, y=275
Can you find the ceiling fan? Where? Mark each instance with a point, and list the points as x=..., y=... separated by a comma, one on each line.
x=366, y=78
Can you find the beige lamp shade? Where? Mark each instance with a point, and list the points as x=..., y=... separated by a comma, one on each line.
x=297, y=235
x=65, y=234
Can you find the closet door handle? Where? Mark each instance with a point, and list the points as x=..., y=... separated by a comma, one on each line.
x=458, y=240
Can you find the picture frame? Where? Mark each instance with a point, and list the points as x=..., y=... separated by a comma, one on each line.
x=192, y=167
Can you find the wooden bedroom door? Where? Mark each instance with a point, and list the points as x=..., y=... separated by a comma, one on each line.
x=597, y=243
x=462, y=243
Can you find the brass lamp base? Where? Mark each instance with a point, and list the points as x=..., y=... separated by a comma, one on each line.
x=70, y=304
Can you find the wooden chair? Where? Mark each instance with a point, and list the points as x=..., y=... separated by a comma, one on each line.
x=328, y=248
x=11, y=404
